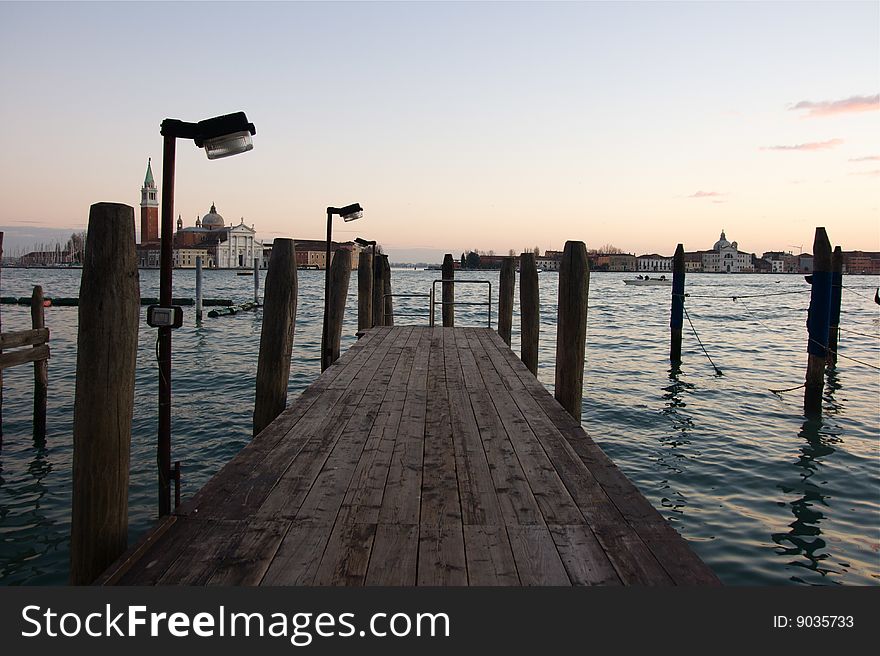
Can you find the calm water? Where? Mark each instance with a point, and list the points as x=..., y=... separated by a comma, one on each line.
x=763, y=495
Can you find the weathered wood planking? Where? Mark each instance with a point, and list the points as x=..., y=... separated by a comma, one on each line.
x=423, y=456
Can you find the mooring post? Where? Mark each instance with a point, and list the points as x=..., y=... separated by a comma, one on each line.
x=818, y=318
x=1, y=350
x=571, y=326
x=378, y=289
x=256, y=281
x=276, y=335
x=505, y=298
x=365, y=290
x=198, y=287
x=448, y=295
x=340, y=274
x=529, y=311
x=677, y=319
x=386, y=288
x=836, y=292
x=106, y=356
x=41, y=367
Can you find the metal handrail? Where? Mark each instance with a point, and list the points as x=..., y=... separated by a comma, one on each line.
x=384, y=296
x=488, y=303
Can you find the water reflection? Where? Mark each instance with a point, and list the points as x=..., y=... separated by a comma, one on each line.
x=803, y=542
x=672, y=457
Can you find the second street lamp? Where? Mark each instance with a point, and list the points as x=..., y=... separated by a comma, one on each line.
x=220, y=136
x=348, y=213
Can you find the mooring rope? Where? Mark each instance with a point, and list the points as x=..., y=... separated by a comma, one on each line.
x=700, y=342
x=734, y=297
x=867, y=298
x=789, y=389
x=855, y=332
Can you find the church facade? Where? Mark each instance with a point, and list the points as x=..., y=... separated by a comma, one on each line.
x=725, y=257
x=228, y=247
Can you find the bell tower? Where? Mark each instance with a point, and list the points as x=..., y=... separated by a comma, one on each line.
x=149, y=208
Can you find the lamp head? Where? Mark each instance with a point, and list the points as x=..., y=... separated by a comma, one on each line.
x=351, y=212
x=220, y=136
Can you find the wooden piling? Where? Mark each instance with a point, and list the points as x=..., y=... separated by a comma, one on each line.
x=836, y=292
x=386, y=290
x=276, y=334
x=529, y=311
x=506, y=286
x=571, y=326
x=256, y=281
x=199, y=288
x=106, y=356
x=378, y=289
x=41, y=367
x=340, y=274
x=1, y=350
x=365, y=290
x=677, y=320
x=448, y=293
x=818, y=319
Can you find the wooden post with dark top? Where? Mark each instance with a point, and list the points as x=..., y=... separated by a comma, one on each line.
x=365, y=290
x=41, y=368
x=448, y=292
x=378, y=289
x=529, y=311
x=198, y=288
x=1, y=350
x=818, y=319
x=340, y=275
x=256, y=281
x=571, y=326
x=506, y=286
x=836, y=292
x=106, y=356
x=386, y=291
x=677, y=319
x=276, y=335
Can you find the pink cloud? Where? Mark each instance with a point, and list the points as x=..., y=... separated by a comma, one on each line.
x=849, y=105
x=705, y=194
x=815, y=145
x=869, y=158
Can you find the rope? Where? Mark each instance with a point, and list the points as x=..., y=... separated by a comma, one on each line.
x=846, y=357
x=799, y=291
x=789, y=389
x=855, y=332
x=867, y=298
x=699, y=341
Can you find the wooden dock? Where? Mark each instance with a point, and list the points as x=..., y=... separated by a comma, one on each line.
x=423, y=456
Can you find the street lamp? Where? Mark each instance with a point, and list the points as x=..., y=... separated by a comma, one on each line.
x=348, y=213
x=220, y=136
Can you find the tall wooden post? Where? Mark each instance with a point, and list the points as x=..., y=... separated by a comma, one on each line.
x=677, y=319
x=276, y=334
x=41, y=368
x=106, y=356
x=256, y=281
x=571, y=326
x=386, y=290
x=365, y=290
x=529, y=311
x=818, y=318
x=836, y=292
x=505, y=299
x=340, y=274
x=378, y=289
x=448, y=295
x=1, y=350
x=198, y=287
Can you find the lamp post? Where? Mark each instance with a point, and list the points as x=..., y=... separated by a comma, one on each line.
x=220, y=136
x=348, y=213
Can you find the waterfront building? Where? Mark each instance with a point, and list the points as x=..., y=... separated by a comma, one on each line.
x=781, y=262
x=149, y=208
x=312, y=253
x=227, y=247
x=693, y=262
x=865, y=262
x=615, y=262
x=654, y=263
x=185, y=258
x=725, y=257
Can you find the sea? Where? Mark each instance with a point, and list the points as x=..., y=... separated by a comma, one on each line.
x=722, y=450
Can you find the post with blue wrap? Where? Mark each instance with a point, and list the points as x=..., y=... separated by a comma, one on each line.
x=676, y=321
x=836, y=290
x=818, y=320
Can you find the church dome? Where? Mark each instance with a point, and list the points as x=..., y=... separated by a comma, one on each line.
x=721, y=243
x=212, y=220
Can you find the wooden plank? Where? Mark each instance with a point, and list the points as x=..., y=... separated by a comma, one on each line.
x=347, y=555
x=537, y=559
x=394, y=556
x=441, y=555
x=584, y=558
x=248, y=554
x=490, y=558
x=15, y=358
x=30, y=337
x=298, y=557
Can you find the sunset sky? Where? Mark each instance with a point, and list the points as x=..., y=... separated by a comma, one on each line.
x=458, y=125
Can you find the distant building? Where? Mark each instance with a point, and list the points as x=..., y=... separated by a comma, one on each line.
x=228, y=247
x=654, y=262
x=149, y=208
x=693, y=262
x=312, y=253
x=549, y=261
x=725, y=257
x=615, y=262
x=864, y=262
x=781, y=262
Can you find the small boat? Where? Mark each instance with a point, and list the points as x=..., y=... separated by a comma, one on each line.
x=245, y=273
x=648, y=280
